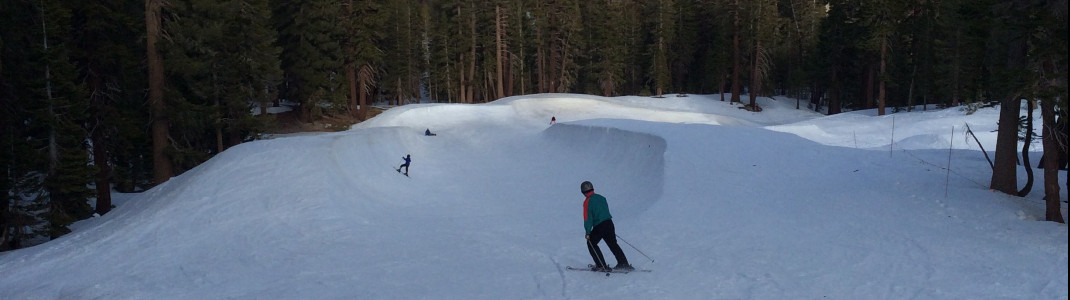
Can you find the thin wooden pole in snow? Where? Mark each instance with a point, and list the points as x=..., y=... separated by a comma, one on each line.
x=947, y=180
x=892, y=143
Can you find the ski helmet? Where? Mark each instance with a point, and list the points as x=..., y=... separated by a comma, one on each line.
x=586, y=186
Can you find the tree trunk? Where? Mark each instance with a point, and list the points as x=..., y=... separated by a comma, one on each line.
x=351, y=69
x=868, y=102
x=161, y=163
x=720, y=86
x=351, y=78
x=99, y=139
x=910, y=90
x=834, y=93
x=362, y=94
x=219, y=120
x=519, y=75
x=551, y=74
x=735, y=53
x=219, y=137
x=955, y=69
x=880, y=91
x=816, y=93
x=560, y=81
x=1005, y=175
x=233, y=139
x=540, y=61
x=1053, y=209
x=487, y=89
x=756, y=81
x=1025, y=150
x=100, y=160
x=53, y=145
x=500, y=48
x=756, y=76
x=472, y=60
x=461, y=91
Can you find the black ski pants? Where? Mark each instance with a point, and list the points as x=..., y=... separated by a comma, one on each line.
x=606, y=231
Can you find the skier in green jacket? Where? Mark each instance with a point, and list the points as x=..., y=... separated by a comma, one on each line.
x=599, y=225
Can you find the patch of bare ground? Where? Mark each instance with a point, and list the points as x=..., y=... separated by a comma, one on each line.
x=290, y=122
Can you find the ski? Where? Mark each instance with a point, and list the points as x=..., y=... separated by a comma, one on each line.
x=588, y=269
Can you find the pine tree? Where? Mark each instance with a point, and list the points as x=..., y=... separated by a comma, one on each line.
x=559, y=28
x=805, y=17
x=46, y=152
x=736, y=32
x=404, y=50
x=605, y=52
x=464, y=36
x=663, y=31
x=499, y=49
x=107, y=54
x=713, y=43
x=839, y=52
x=310, y=37
x=520, y=41
x=884, y=17
x=363, y=24
x=443, y=47
x=19, y=156
x=221, y=63
x=685, y=73
x=69, y=175
x=764, y=21
x=962, y=32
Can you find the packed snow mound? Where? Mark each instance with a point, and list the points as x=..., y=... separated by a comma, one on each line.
x=730, y=203
x=941, y=128
x=628, y=164
x=533, y=112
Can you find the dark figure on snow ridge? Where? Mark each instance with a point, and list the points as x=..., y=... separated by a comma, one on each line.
x=599, y=225
x=428, y=132
x=553, y=120
x=406, y=164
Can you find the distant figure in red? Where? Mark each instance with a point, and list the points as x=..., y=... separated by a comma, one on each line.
x=553, y=120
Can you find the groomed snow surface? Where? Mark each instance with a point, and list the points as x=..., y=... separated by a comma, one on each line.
x=727, y=204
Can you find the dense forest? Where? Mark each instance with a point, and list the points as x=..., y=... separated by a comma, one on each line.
x=122, y=95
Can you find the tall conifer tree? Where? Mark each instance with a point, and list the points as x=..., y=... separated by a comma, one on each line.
x=663, y=33
x=108, y=57
x=310, y=35
x=364, y=22
x=221, y=63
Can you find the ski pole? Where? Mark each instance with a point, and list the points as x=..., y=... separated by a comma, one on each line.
x=600, y=258
x=636, y=249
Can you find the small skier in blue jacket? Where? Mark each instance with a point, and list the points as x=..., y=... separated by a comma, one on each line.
x=405, y=165
x=599, y=225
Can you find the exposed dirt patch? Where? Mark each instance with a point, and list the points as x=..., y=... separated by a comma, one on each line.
x=290, y=122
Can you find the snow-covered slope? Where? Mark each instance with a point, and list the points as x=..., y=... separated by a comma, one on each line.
x=727, y=204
